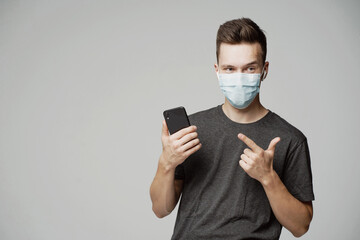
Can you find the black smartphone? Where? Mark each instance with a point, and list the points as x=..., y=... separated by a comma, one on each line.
x=176, y=119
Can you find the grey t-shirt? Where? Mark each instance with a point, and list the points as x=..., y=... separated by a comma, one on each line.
x=219, y=199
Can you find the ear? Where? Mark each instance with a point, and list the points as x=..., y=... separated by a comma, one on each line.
x=216, y=67
x=266, y=70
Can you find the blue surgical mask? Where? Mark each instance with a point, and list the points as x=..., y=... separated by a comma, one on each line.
x=240, y=89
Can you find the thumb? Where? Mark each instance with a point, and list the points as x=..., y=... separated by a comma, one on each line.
x=165, y=130
x=273, y=143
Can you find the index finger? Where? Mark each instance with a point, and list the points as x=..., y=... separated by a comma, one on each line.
x=179, y=134
x=250, y=143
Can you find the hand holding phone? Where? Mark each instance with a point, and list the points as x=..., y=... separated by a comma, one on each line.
x=183, y=139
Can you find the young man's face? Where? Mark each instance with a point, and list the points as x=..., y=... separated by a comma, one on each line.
x=241, y=58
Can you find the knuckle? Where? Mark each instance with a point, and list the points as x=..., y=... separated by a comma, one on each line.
x=185, y=131
x=178, y=152
x=174, y=144
x=184, y=134
x=189, y=129
x=182, y=137
x=187, y=137
x=178, y=144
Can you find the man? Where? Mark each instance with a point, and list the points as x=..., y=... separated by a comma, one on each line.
x=251, y=173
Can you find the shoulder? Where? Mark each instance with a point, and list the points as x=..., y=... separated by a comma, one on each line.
x=287, y=129
x=202, y=115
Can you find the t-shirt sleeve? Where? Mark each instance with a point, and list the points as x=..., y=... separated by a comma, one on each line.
x=298, y=175
x=179, y=172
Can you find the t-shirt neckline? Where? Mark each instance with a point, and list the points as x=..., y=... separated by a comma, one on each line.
x=231, y=122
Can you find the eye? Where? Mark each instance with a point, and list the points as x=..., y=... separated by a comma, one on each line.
x=251, y=69
x=229, y=69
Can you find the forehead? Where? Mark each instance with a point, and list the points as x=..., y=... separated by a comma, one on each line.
x=239, y=54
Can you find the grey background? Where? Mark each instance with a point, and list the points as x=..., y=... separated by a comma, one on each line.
x=83, y=85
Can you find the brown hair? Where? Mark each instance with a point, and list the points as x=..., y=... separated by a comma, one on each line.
x=239, y=31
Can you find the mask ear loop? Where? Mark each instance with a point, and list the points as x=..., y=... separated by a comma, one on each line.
x=262, y=75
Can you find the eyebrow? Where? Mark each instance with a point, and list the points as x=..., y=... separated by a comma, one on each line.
x=251, y=63
x=247, y=64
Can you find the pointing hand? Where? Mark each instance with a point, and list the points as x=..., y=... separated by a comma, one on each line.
x=256, y=162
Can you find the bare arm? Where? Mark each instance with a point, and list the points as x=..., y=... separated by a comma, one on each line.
x=165, y=191
x=293, y=214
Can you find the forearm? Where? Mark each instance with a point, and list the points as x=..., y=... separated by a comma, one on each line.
x=289, y=211
x=162, y=190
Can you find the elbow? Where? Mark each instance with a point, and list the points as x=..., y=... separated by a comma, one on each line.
x=158, y=213
x=301, y=231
